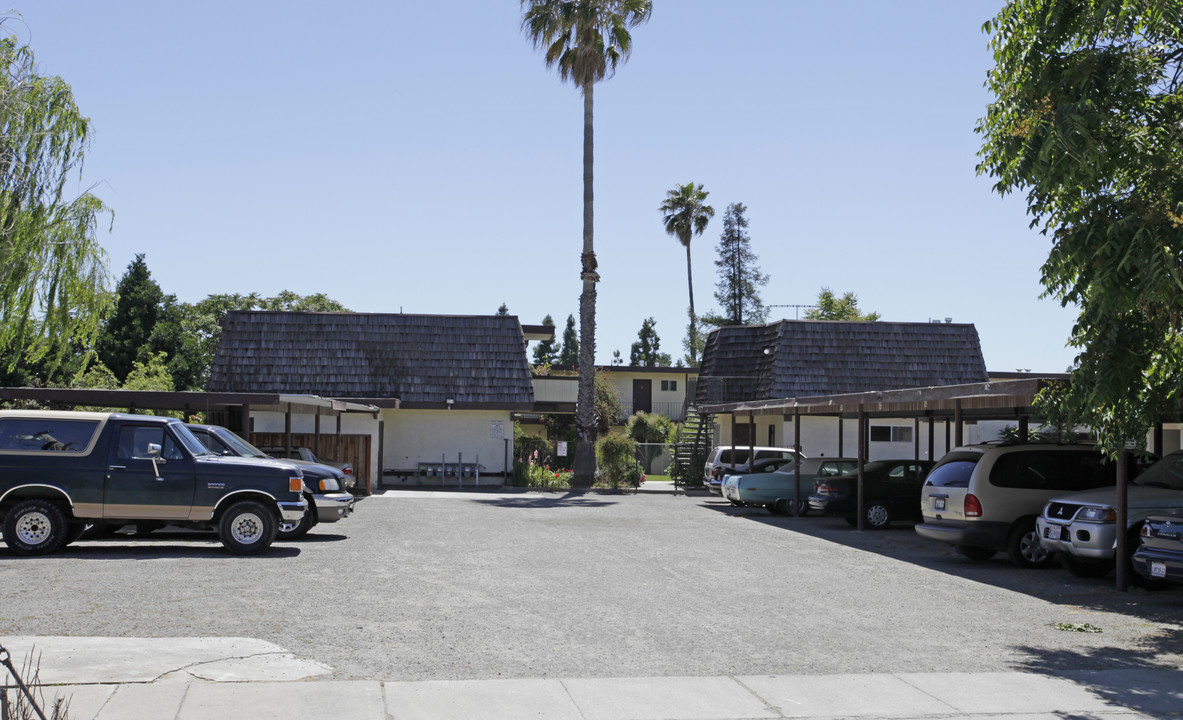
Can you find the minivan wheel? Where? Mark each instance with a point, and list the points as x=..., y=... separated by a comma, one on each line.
x=1024, y=547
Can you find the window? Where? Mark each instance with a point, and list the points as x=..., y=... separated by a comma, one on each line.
x=891, y=433
x=49, y=435
x=669, y=385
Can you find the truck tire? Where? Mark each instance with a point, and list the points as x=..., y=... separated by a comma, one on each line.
x=35, y=527
x=247, y=528
x=300, y=529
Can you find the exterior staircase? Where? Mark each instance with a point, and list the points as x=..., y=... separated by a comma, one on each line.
x=695, y=438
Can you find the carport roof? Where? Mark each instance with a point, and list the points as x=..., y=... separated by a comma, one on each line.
x=989, y=400
x=182, y=400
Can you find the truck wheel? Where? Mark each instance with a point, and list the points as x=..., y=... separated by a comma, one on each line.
x=35, y=527
x=293, y=531
x=247, y=528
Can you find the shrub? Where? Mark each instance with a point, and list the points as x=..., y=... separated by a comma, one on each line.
x=617, y=456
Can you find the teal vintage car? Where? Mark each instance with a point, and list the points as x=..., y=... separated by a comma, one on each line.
x=777, y=490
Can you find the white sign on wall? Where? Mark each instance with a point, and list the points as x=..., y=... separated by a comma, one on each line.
x=562, y=449
x=497, y=429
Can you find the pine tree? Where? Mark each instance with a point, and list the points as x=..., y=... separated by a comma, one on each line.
x=544, y=352
x=570, y=352
x=739, y=272
x=646, y=350
x=137, y=310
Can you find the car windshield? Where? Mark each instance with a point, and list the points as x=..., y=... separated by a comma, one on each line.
x=186, y=438
x=1166, y=473
x=240, y=446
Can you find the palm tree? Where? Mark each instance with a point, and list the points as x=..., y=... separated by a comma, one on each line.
x=686, y=215
x=585, y=40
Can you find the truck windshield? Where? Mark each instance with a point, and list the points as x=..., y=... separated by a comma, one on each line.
x=184, y=437
x=241, y=447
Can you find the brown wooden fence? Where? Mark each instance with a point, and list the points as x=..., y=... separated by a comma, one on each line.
x=353, y=449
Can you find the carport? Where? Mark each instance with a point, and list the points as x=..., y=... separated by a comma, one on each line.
x=952, y=405
x=230, y=410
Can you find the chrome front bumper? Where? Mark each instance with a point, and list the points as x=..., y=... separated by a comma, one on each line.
x=331, y=507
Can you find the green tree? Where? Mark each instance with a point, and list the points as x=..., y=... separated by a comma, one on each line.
x=137, y=309
x=737, y=291
x=1088, y=120
x=54, y=285
x=608, y=408
x=646, y=351
x=569, y=355
x=545, y=352
x=585, y=40
x=686, y=214
x=288, y=301
x=832, y=307
x=503, y=310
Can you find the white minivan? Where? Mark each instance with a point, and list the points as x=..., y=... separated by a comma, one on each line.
x=985, y=498
x=723, y=457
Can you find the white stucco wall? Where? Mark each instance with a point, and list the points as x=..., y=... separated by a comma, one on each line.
x=819, y=435
x=414, y=436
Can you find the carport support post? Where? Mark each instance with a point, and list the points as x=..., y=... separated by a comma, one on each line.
x=957, y=422
x=316, y=432
x=862, y=457
x=287, y=429
x=932, y=424
x=751, y=442
x=916, y=439
x=1122, y=516
x=732, y=442
x=840, y=435
x=1024, y=429
x=797, y=465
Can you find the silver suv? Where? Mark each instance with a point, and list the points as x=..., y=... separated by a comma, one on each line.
x=985, y=498
x=1082, y=527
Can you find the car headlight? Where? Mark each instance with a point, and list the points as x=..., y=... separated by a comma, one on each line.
x=328, y=485
x=1098, y=514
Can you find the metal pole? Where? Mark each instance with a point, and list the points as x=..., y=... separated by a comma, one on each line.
x=862, y=456
x=931, y=428
x=916, y=439
x=797, y=465
x=957, y=418
x=840, y=436
x=1122, y=552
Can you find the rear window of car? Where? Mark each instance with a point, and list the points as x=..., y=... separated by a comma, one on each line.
x=46, y=435
x=1166, y=473
x=1053, y=470
x=954, y=470
x=737, y=456
x=784, y=454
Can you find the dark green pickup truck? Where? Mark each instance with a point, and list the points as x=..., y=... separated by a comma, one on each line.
x=63, y=471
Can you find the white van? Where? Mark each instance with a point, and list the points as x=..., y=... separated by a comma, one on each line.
x=985, y=498
x=723, y=457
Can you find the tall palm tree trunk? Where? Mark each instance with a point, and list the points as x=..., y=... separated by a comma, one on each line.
x=585, y=450
x=693, y=317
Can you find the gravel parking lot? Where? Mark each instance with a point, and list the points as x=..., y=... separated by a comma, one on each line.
x=441, y=586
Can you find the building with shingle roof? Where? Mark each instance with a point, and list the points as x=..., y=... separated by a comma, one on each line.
x=810, y=358
x=817, y=358
x=446, y=385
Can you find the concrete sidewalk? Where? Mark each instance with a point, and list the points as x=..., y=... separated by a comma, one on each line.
x=230, y=678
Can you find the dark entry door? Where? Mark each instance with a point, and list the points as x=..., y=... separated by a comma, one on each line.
x=642, y=395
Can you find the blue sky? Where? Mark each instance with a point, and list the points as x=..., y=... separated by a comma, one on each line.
x=421, y=157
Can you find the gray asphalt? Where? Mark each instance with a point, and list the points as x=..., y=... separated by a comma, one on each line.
x=444, y=586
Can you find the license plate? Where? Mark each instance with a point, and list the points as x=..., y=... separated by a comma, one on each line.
x=1158, y=570
x=938, y=503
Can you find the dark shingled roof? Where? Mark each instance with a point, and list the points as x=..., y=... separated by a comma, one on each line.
x=419, y=359
x=811, y=358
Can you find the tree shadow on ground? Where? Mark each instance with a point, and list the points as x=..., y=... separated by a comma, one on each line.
x=900, y=542
x=575, y=498
x=1133, y=678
